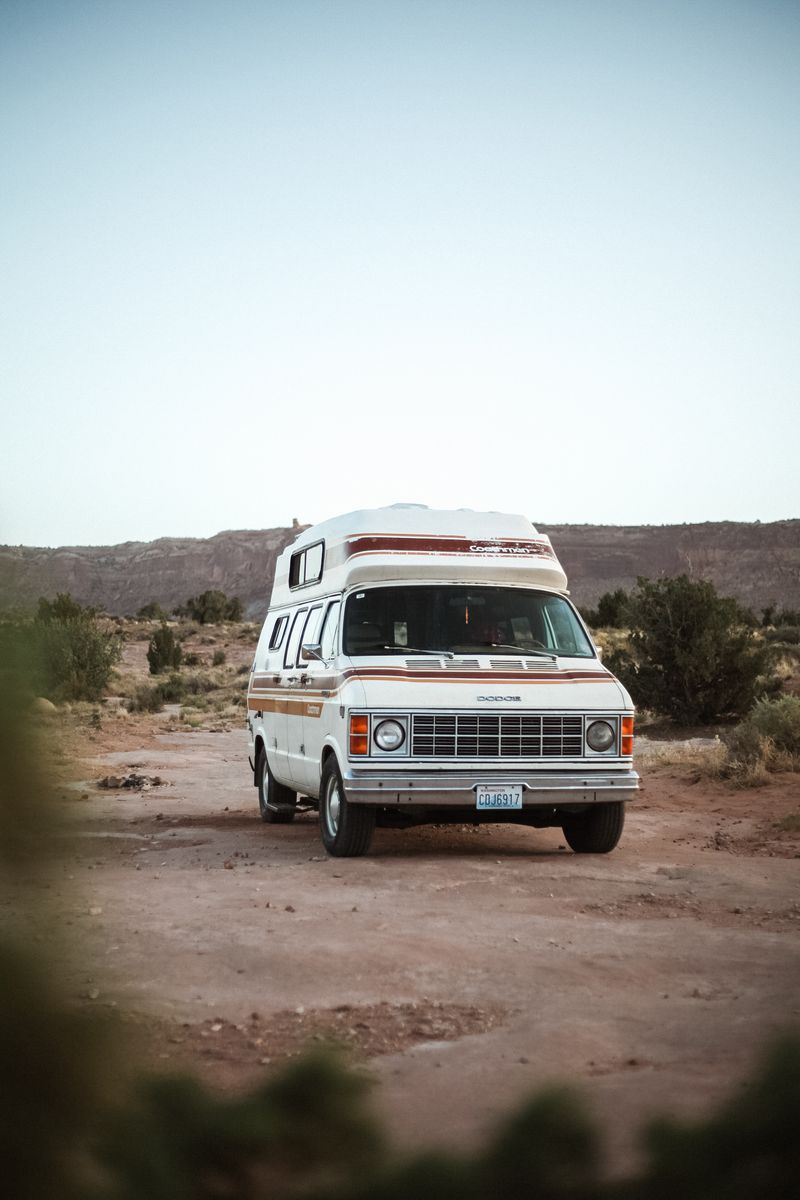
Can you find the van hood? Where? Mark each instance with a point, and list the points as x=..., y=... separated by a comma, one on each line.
x=484, y=682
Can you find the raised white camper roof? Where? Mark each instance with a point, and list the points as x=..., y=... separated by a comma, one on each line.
x=414, y=542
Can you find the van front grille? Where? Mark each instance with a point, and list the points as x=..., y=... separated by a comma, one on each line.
x=496, y=735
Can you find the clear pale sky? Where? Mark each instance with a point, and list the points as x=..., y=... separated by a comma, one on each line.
x=272, y=260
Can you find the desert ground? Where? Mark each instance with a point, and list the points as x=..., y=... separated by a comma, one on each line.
x=462, y=967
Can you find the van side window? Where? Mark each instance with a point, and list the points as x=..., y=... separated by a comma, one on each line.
x=278, y=631
x=294, y=638
x=309, y=630
x=330, y=629
x=306, y=565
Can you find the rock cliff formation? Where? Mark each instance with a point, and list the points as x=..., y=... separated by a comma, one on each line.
x=757, y=563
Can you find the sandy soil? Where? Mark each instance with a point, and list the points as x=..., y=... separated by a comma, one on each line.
x=465, y=966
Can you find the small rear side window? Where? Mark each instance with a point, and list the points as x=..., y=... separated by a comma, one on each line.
x=306, y=565
x=278, y=631
x=314, y=563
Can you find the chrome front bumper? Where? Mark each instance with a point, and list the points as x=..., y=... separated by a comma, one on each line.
x=457, y=788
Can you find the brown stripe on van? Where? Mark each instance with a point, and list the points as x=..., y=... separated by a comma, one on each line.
x=430, y=544
x=285, y=705
x=454, y=676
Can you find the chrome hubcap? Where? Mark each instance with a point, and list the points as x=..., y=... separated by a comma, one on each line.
x=334, y=807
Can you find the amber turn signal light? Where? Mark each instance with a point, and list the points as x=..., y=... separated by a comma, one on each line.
x=359, y=734
x=627, y=735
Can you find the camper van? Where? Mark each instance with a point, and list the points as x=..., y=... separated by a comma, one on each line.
x=420, y=665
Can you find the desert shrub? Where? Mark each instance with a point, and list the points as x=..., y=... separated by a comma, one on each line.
x=192, y=659
x=768, y=739
x=197, y=684
x=145, y=698
x=75, y=652
x=151, y=612
x=778, y=720
x=611, y=611
x=63, y=608
x=172, y=689
x=774, y=616
x=164, y=651
x=218, y=658
x=692, y=653
x=789, y=635
x=211, y=608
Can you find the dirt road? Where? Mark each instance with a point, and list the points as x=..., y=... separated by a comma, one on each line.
x=467, y=967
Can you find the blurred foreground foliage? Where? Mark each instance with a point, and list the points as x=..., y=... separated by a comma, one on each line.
x=79, y=1122
x=70, y=651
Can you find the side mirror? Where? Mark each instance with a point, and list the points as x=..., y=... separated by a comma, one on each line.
x=312, y=650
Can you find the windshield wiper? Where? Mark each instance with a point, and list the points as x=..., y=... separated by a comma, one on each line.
x=414, y=650
x=526, y=653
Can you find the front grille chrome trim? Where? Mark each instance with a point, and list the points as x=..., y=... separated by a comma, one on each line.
x=498, y=735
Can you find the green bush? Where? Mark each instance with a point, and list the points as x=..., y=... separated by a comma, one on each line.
x=211, y=608
x=788, y=635
x=75, y=652
x=173, y=689
x=693, y=655
x=773, y=616
x=146, y=698
x=164, y=651
x=218, y=658
x=611, y=611
x=779, y=720
x=196, y=685
x=63, y=608
x=769, y=736
x=151, y=612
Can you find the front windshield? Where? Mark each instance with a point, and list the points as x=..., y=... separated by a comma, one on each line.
x=458, y=620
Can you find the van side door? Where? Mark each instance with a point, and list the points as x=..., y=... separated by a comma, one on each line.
x=266, y=721
x=304, y=631
x=320, y=696
x=289, y=704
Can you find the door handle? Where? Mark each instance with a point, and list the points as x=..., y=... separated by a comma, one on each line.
x=276, y=678
x=304, y=679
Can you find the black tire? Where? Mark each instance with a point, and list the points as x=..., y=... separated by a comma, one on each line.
x=346, y=828
x=277, y=803
x=597, y=830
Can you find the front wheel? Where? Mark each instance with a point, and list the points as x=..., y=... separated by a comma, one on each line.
x=346, y=828
x=277, y=803
x=597, y=830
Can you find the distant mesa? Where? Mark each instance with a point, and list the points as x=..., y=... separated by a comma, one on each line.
x=757, y=563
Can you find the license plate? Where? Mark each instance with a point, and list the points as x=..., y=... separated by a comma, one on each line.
x=489, y=796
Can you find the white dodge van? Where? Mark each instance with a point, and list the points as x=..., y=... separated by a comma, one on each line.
x=419, y=665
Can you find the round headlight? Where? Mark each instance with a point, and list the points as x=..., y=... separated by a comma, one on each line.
x=389, y=735
x=600, y=736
